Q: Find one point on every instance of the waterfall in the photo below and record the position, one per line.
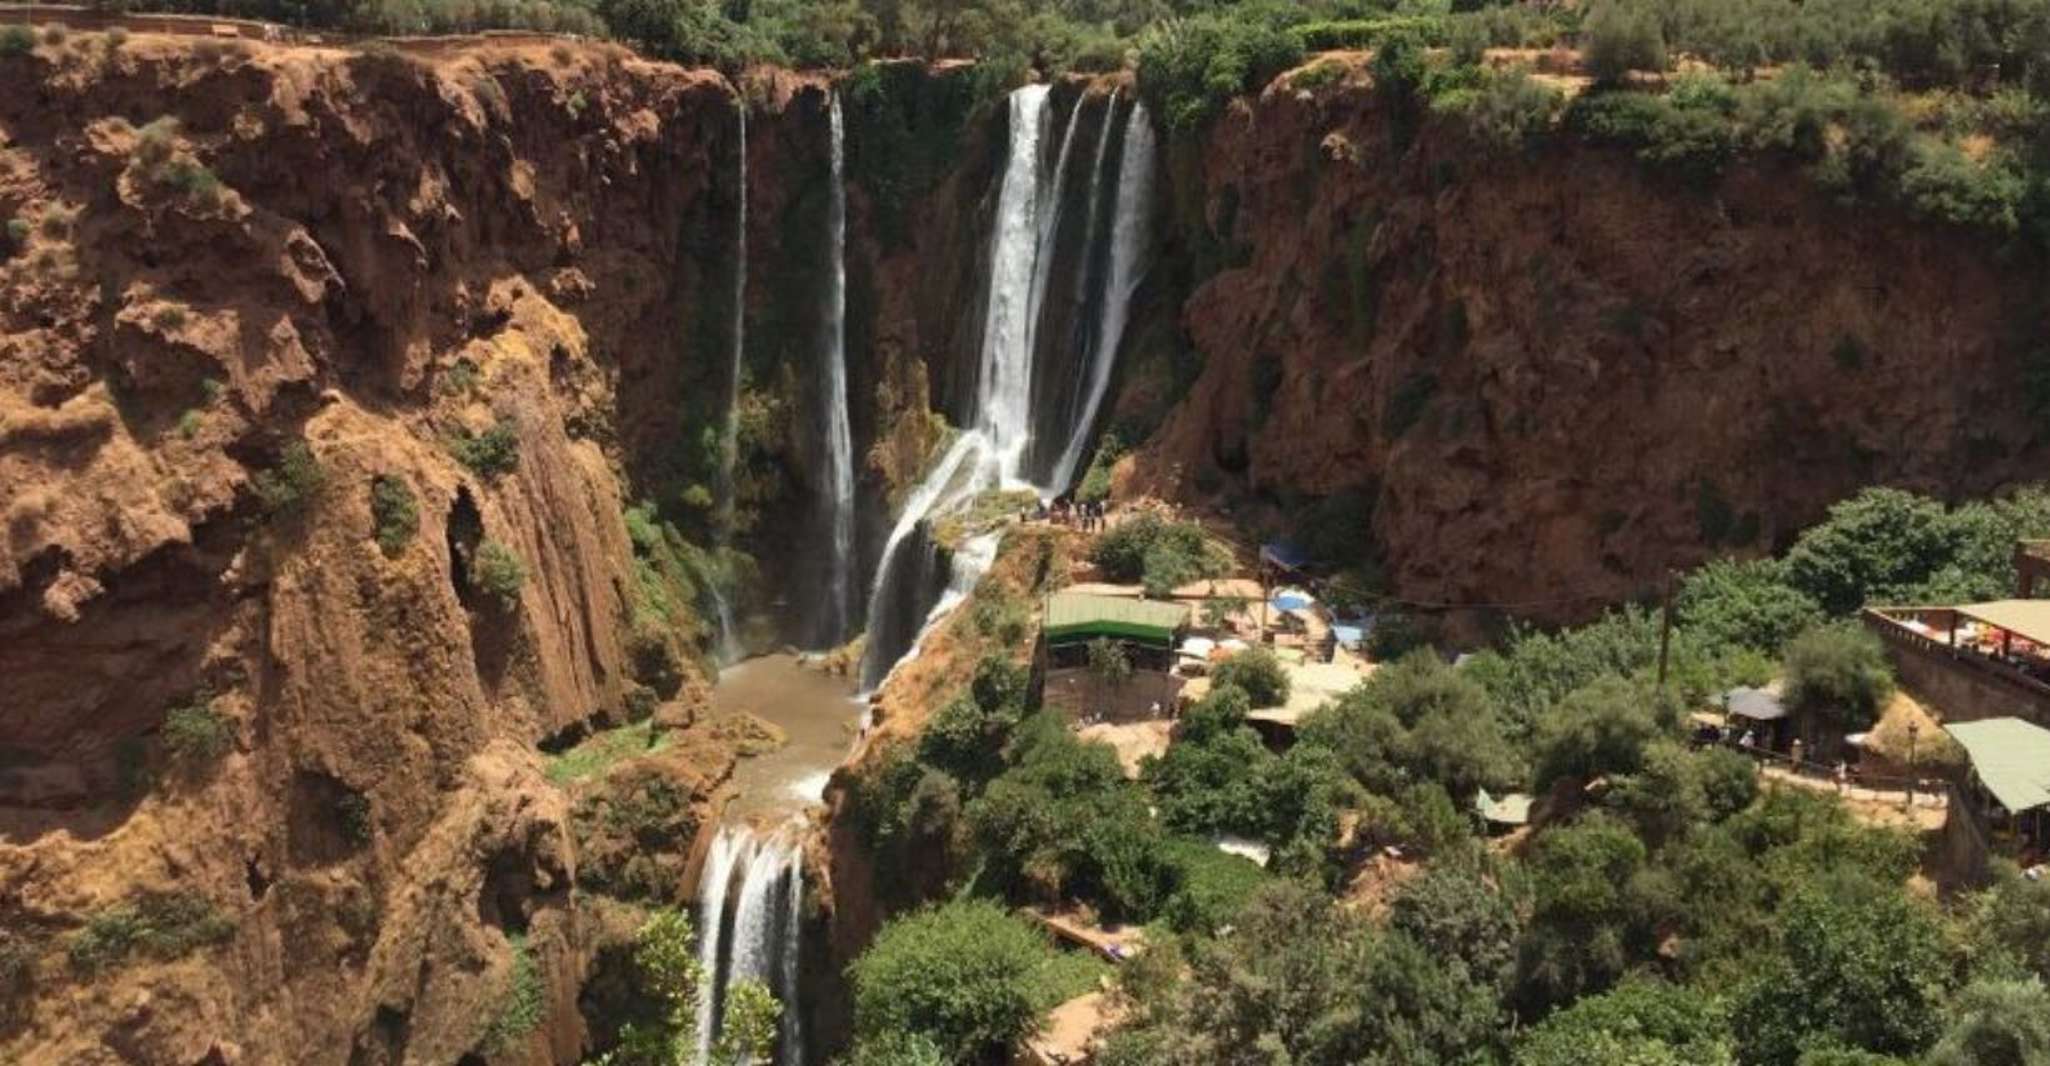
(729, 434)
(899, 588)
(751, 916)
(725, 854)
(1050, 205)
(1130, 245)
(839, 439)
(1005, 392)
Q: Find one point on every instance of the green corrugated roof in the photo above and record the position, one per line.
(2011, 757)
(1078, 614)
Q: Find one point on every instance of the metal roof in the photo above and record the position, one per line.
(1071, 615)
(2024, 618)
(2011, 758)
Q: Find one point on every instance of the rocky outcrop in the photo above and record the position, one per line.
(1557, 374)
(298, 348)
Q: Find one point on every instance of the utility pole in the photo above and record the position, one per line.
(1665, 627)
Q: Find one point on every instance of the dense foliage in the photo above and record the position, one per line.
(1667, 909)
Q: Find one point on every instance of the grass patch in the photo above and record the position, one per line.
(1068, 974)
(600, 751)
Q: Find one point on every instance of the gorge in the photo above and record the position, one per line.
(398, 534)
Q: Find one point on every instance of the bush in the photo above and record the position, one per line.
(1839, 674)
(966, 975)
(196, 733)
(1159, 553)
(1729, 604)
(1258, 673)
(17, 40)
(1598, 730)
(191, 180)
(522, 1004)
(291, 488)
(1189, 68)
(1210, 886)
(1619, 37)
(395, 513)
(1508, 111)
(161, 925)
(500, 573)
(490, 453)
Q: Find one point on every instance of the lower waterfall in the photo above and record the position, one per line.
(750, 928)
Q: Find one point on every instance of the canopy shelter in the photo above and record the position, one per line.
(1284, 555)
(2028, 619)
(1757, 704)
(1079, 616)
(2011, 759)
(1510, 809)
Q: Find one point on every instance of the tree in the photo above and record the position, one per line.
(1256, 672)
(965, 975)
(747, 1025)
(1601, 729)
(1878, 545)
(1583, 926)
(1997, 1023)
(1730, 604)
(1619, 37)
(1838, 674)
(1459, 914)
(1860, 965)
(1109, 664)
(1640, 1022)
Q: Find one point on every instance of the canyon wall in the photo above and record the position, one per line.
(269, 790)
(1555, 374)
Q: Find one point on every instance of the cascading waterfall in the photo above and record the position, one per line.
(1130, 247)
(750, 915)
(1004, 396)
(729, 435)
(839, 437)
(993, 452)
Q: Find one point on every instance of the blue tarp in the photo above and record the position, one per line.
(1290, 602)
(1350, 636)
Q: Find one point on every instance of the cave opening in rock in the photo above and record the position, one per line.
(465, 531)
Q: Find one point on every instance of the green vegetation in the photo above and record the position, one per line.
(598, 752)
(160, 925)
(1095, 486)
(1257, 673)
(500, 573)
(291, 489)
(491, 453)
(966, 976)
(394, 512)
(522, 1003)
(16, 40)
(1672, 911)
(1159, 553)
(190, 423)
(196, 734)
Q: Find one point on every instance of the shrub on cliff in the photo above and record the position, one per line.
(1189, 68)
(292, 487)
(16, 40)
(500, 573)
(196, 733)
(1158, 552)
(395, 512)
(490, 453)
(161, 925)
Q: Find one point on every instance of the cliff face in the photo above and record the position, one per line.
(281, 783)
(1556, 375)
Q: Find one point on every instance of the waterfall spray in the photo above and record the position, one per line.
(1130, 246)
(839, 438)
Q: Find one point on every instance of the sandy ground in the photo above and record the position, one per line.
(1133, 741)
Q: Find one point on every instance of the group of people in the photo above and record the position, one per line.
(1086, 516)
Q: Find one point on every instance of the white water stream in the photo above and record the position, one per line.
(839, 438)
